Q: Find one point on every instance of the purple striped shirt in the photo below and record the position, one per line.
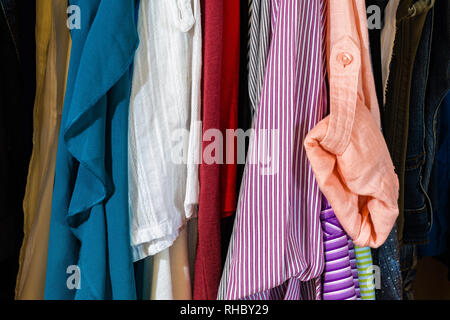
(276, 251)
(352, 254)
(338, 278)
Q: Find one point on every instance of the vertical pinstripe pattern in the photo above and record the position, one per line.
(277, 235)
(249, 26)
(259, 44)
(365, 273)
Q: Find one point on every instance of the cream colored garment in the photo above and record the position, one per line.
(52, 56)
(387, 41)
(164, 110)
(171, 275)
(166, 276)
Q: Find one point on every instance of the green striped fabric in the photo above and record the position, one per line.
(365, 273)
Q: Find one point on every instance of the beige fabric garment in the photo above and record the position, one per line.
(171, 271)
(387, 41)
(52, 58)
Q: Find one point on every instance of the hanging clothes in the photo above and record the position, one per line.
(375, 10)
(353, 265)
(245, 115)
(164, 137)
(426, 100)
(347, 151)
(387, 39)
(440, 191)
(365, 273)
(165, 99)
(387, 257)
(437, 107)
(418, 163)
(338, 277)
(229, 105)
(17, 90)
(52, 56)
(395, 114)
(171, 275)
(259, 45)
(280, 203)
(410, 20)
(143, 272)
(208, 266)
(89, 231)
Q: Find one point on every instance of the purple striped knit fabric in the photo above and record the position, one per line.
(276, 250)
(339, 275)
(351, 253)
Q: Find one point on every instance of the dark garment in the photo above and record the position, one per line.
(428, 92)
(411, 16)
(417, 203)
(439, 191)
(244, 117)
(375, 44)
(395, 113)
(438, 88)
(17, 89)
(408, 266)
(439, 78)
(387, 258)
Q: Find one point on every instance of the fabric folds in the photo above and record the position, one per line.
(279, 204)
(164, 124)
(346, 150)
(338, 278)
(89, 248)
(52, 56)
(208, 263)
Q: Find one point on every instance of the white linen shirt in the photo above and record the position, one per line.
(164, 111)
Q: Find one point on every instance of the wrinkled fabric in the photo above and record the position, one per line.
(417, 204)
(338, 277)
(410, 20)
(89, 230)
(387, 42)
(437, 136)
(259, 45)
(280, 203)
(208, 263)
(164, 124)
(352, 255)
(347, 151)
(52, 57)
(229, 105)
(439, 236)
(375, 10)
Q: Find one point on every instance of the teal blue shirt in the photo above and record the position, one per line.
(89, 224)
